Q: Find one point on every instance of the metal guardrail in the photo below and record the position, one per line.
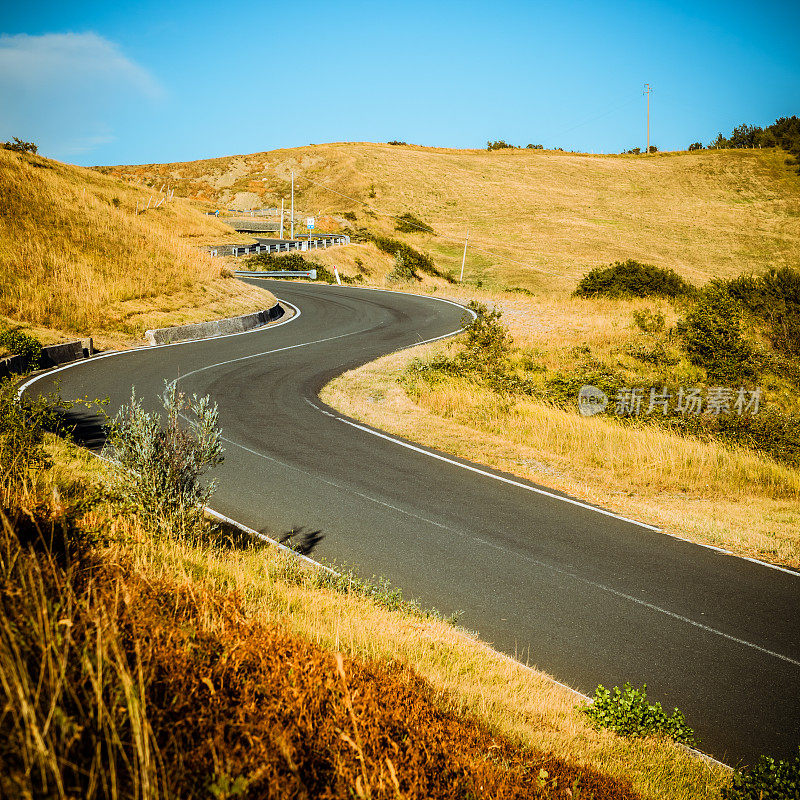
(277, 273)
(279, 246)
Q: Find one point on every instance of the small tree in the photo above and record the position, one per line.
(487, 343)
(18, 146)
(720, 143)
(713, 338)
(159, 466)
(695, 146)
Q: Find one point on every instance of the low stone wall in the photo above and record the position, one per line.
(205, 330)
(52, 356)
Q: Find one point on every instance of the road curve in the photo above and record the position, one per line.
(586, 595)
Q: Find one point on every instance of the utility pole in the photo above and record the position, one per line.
(292, 222)
(464, 257)
(281, 218)
(647, 90)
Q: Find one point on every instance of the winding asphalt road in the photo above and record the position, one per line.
(586, 595)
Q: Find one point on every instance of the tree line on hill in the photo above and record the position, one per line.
(783, 133)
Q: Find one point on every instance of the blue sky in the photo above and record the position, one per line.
(106, 83)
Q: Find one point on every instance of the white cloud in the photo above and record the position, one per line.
(61, 89)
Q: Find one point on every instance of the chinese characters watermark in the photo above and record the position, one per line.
(640, 400)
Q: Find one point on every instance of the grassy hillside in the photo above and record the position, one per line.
(531, 213)
(77, 258)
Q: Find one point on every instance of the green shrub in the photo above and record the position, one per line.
(774, 298)
(402, 270)
(420, 262)
(713, 339)
(18, 146)
(772, 432)
(499, 145)
(396, 142)
(349, 215)
(518, 290)
(487, 343)
(767, 780)
(695, 146)
(632, 279)
(159, 466)
(22, 344)
(648, 321)
(21, 438)
(628, 713)
(408, 223)
(484, 355)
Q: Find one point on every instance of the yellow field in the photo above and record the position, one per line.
(536, 218)
(77, 258)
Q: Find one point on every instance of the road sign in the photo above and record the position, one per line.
(310, 223)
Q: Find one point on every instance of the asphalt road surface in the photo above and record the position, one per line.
(583, 594)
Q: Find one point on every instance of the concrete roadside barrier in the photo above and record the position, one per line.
(221, 327)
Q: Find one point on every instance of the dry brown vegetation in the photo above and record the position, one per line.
(147, 667)
(77, 258)
(533, 213)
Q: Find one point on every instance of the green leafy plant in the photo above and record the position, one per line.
(22, 344)
(499, 144)
(769, 779)
(713, 338)
(18, 146)
(627, 712)
(160, 463)
(420, 262)
(632, 279)
(402, 270)
(774, 298)
(648, 321)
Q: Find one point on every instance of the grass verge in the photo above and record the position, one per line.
(212, 667)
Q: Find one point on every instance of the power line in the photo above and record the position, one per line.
(599, 116)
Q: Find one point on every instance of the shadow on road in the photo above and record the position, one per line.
(301, 540)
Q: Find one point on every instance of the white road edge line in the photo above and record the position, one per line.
(460, 633)
(116, 353)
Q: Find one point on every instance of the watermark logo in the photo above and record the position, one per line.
(640, 400)
(591, 401)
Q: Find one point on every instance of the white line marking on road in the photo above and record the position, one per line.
(117, 353)
(541, 564)
(487, 474)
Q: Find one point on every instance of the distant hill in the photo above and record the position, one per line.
(529, 212)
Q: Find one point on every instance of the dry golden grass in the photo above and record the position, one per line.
(533, 212)
(520, 702)
(75, 257)
(734, 499)
(515, 700)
